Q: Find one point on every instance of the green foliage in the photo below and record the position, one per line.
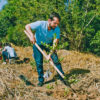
(49, 86)
(18, 13)
(46, 61)
(61, 59)
(79, 25)
(66, 91)
(95, 44)
(59, 46)
(33, 64)
(73, 79)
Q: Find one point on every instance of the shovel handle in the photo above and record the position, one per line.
(45, 55)
(51, 62)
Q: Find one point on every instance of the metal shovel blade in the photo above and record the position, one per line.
(47, 74)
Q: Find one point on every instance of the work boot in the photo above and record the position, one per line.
(40, 84)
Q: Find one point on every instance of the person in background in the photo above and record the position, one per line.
(0, 50)
(8, 53)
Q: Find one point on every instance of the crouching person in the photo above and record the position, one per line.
(8, 54)
(0, 51)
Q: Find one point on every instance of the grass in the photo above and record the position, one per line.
(81, 70)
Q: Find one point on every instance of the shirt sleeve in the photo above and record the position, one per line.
(35, 25)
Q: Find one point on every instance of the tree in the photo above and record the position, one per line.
(79, 23)
(78, 27)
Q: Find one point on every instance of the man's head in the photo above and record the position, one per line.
(0, 44)
(54, 20)
(7, 44)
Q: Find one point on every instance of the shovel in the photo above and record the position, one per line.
(45, 55)
(47, 74)
(51, 62)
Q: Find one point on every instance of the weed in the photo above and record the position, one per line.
(66, 91)
(33, 64)
(49, 86)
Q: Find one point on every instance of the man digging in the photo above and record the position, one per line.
(44, 33)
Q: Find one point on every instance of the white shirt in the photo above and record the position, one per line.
(10, 50)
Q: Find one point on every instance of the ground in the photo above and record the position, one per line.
(82, 71)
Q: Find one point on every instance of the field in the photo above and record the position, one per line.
(82, 72)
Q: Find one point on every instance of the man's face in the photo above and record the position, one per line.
(54, 23)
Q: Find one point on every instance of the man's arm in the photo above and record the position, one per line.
(29, 31)
(55, 42)
(4, 49)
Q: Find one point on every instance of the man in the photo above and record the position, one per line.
(44, 33)
(0, 50)
(8, 53)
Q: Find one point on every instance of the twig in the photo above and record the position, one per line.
(89, 22)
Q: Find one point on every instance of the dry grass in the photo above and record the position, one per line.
(82, 67)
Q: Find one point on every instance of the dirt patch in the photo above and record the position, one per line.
(82, 72)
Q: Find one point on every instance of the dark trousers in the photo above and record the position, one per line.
(5, 55)
(39, 62)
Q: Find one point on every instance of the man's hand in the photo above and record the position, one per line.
(33, 40)
(55, 42)
(49, 57)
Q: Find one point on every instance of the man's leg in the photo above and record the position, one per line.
(39, 63)
(4, 55)
(57, 63)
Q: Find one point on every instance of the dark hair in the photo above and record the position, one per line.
(54, 14)
(7, 44)
(0, 43)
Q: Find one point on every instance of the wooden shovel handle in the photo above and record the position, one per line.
(45, 55)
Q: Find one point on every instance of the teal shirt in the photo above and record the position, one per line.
(42, 34)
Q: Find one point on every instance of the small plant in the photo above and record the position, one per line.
(56, 83)
(66, 91)
(73, 79)
(55, 45)
(61, 59)
(45, 61)
(49, 86)
(32, 63)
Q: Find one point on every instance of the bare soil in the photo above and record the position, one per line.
(82, 71)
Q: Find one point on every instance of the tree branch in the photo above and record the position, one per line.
(89, 22)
